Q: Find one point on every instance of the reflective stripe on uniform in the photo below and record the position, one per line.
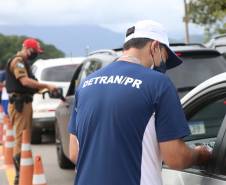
(9, 133)
(26, 162)
(39, 179)
(9, 144)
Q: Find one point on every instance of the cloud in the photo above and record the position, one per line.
(114, 14)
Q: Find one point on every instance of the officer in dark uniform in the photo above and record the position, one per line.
(21, 85)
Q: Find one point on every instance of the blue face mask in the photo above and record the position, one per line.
(161, 68)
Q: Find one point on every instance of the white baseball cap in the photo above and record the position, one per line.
(155, 31)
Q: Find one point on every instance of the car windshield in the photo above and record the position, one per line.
(62, 73)
(195, 70)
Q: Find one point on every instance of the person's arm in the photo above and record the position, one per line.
(73, 148)
(171, 127)
(177, 155)
(28, 82)
(17, 67)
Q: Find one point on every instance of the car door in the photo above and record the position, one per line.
(205, 112)
(64, 111)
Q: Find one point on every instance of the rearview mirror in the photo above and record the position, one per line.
(57, 94)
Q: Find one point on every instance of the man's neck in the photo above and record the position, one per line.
(137, 55)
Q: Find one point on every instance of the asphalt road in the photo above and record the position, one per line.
(54, 174)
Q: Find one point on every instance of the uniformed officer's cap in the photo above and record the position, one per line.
(32, 43)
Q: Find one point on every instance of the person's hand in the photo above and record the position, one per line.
(51, 88)
(203, 155)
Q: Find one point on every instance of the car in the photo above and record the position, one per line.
(52, 71)
(199, 64)
(63, 111)
(219, 43)
(101, 58)
(205, 109)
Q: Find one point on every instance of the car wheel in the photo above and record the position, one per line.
(63, 161)
(36, 136)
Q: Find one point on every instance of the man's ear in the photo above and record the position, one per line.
(29, 51)
(154, 46)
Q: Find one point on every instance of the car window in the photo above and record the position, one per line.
(71, 89)
(206, 122)
(88, 68)
(195, 70)
(64, 73)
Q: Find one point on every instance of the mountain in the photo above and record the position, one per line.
(72, 40)
(79, 39)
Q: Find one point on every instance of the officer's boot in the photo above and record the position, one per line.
(16, 160)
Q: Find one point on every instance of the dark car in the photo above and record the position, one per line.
(199, 64)
(197, 60)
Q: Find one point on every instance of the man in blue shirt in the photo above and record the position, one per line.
(128, 118)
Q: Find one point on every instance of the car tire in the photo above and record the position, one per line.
(36, 136)
(63, 161)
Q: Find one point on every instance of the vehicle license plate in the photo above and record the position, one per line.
(197, 128)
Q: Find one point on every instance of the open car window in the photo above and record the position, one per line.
(71, 89)
(89, 67)
(81, 73)
(205, 123)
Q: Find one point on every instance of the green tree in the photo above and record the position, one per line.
(9, 45)
(208, 13)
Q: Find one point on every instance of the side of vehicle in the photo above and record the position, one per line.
(205, 110)
(52, 71)
(64, 110)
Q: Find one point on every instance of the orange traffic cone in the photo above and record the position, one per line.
(38, 176)
(9, 144)
(1, 125)
(26, 161)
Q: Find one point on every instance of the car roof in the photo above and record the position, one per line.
(45, 63)
(106, 56)
(176, 47)
(211, 81)
(220, 36)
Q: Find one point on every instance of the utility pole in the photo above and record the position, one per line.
(186, 21)
(87, 48)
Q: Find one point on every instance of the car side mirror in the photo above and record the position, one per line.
(57, 94)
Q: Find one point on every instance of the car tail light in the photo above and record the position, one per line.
(51, 110)
(225, 102)
(178, 54)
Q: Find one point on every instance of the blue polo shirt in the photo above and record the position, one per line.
(121, 113)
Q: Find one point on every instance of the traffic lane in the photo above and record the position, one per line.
(54, 174)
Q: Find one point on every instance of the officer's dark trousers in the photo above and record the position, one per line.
(20, 121)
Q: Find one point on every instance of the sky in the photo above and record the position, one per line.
(116, 15)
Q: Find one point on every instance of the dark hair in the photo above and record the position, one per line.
(137, 43)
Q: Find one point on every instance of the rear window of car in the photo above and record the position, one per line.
(194, 70)
(62, 73)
